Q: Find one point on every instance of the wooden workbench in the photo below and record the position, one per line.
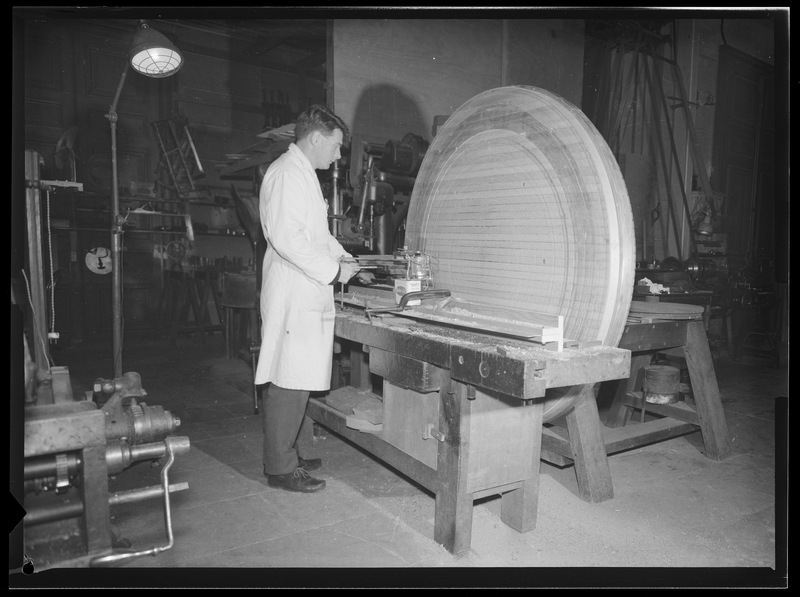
(464, 412)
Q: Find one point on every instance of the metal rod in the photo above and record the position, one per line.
(365, 191)
(52, 513)
(74, 509)
(147, 451)
(336, 204)
(145, 493)
(41, 348)
(116, 236)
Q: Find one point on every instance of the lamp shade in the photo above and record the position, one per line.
(705, 228)
(153, 55)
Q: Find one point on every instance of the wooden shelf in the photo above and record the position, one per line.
(140, 231)
(127, 231)
(171, 202)
(154, 213)
(282, 133)
(131, 212)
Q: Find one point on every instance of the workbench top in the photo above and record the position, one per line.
(513, 367)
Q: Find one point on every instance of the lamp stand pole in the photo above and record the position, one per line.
(116, 236)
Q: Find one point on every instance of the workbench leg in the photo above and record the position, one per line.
(589, 448)
(180, 312)
(619, 414)
(254, 363)
(229, 333)
(216, 298)
(706, 392)
(195, 308)
(729, 335)
(203, 314)
(519, 507)
(359, 368)
(453, 517)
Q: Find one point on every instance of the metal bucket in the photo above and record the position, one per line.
(662, 384)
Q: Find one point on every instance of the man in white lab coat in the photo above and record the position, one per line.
(302, 263)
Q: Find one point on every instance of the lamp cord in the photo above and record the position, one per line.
(36, 326)
(52, 276)
(121, 296)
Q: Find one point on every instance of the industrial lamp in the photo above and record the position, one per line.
(153, 55)
(705, 228)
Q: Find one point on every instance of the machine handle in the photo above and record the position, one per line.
(421, 295)
(411, 296)
(172, 444)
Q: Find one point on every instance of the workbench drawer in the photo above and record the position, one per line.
(404, 371)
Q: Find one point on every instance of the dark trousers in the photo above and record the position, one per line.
(282, 416)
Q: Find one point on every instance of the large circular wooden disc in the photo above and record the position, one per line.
(521, 204)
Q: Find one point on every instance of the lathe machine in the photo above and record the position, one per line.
(71, 445)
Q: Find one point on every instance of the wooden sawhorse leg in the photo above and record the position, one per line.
(706, 392)
(619, 413)
(588, 448)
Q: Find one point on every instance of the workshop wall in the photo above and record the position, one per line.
(393, 76)
(546, 53)
(229, 103)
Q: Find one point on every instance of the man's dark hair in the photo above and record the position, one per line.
(318, 118)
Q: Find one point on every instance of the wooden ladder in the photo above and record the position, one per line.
(179, 154)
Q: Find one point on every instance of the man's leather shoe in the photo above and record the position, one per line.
(297, 480)
(310, 464)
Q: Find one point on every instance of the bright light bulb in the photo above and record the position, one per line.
(155, 62)
(705, 227)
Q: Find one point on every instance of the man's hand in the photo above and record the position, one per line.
(366, 278)
(347, 269)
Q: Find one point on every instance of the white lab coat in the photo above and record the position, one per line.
(297, 307)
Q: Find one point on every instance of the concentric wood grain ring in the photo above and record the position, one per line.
(521, 204)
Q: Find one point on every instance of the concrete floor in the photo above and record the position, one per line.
(677, 518)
